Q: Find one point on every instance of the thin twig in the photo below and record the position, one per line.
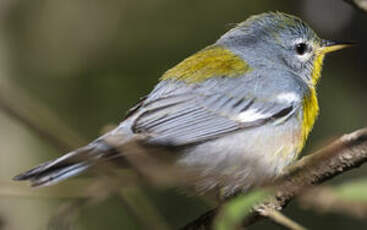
(38, 118)
(75, 189)
(358, 4)
(344, 154)
(325, 199)
(282, 220)
(143, 209)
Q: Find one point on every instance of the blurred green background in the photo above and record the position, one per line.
(89, 61)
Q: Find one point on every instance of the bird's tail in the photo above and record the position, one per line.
(68, 165)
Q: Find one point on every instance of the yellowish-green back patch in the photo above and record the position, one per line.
(214, 61)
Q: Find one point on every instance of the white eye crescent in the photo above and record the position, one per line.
(302, 50)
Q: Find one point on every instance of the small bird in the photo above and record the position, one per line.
(238, 112)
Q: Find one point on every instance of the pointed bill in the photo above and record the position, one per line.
(328, 46)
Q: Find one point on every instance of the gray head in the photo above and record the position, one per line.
(280, 41)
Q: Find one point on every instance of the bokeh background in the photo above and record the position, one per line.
(87, 62)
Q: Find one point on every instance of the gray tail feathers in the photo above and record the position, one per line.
(68, 165)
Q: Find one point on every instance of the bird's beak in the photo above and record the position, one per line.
(328, 46)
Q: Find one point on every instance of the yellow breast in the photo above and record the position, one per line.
(310, 103)
(213, 61)
(310, 113)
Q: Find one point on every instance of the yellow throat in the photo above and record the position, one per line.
(310, 103)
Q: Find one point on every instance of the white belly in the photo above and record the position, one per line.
(245, 159)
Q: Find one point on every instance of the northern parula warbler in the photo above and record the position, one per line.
(238, 111)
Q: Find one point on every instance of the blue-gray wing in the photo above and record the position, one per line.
(179, 114)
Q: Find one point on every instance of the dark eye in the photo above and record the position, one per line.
(301, 48)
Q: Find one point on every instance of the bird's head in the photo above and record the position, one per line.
(281, 41)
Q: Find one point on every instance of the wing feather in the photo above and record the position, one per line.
(192, 115)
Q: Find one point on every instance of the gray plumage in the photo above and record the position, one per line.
(237, 132)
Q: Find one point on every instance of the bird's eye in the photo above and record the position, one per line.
(301, 48)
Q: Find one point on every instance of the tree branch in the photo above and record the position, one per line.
(344, 154)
